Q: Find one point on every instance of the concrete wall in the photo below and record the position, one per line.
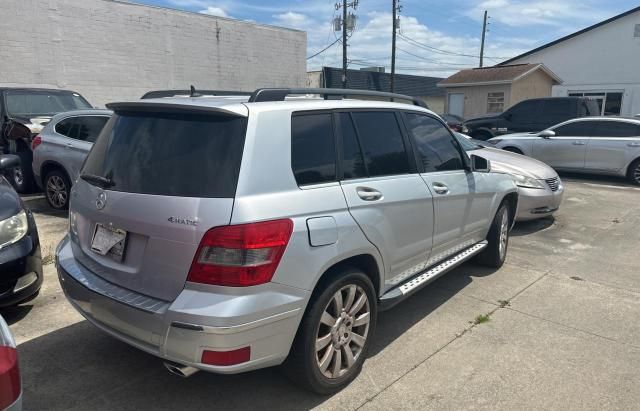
(603, 59)
(536, 84)
(110, 50)
(475, 98)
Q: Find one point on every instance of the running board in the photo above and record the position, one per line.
(404, 290)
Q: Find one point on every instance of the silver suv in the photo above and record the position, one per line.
(228, 234)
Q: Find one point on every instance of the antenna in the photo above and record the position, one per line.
(193, 92)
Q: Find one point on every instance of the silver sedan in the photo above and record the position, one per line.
(539, 186)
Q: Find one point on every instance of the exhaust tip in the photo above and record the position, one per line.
(183, 371)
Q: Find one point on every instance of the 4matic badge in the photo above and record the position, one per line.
(184, 221)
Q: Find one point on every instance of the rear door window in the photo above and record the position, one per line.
(313, 150)
(382, 143)
(437, 149)
(616, 129)
(352, 162)
(170, 154)
(68, 127)
(89, 127)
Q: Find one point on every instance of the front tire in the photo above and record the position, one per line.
(495, 253)
(22, 176)
(634, 172)
(335, 334)
(57, 189)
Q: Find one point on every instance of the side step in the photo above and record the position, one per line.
(404, 290)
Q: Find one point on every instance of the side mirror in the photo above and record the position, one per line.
(480, 164)
(546, 133)
(9, 161)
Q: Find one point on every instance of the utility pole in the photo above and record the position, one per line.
(393, 45)
(484, 31)
(344, 43)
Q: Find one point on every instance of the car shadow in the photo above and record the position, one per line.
(596, 179)
(532, 226)
(38, 204)
(16, 313)
(80, 365)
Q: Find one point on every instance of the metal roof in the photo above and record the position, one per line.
(414, 86)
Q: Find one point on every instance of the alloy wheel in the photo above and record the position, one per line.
(57, 191)
(342, 331)
(636, 174)
(504, 235)
(18, 177)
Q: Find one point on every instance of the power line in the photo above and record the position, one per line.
(323, 50)
(442, 63)
(440, 51)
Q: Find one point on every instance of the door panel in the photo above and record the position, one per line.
(396, 215)
(612, 145)
(456, 104)
(568, 148)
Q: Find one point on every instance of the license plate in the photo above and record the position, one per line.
(109, 241)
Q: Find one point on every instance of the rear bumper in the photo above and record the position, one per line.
(264, 318)
(536, 203)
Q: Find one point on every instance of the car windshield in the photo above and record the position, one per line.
(466, 143)
(26, 103)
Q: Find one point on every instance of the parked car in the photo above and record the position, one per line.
(454, 122)
(20, 261)
(531, 116)
(540, 189)
(23, 114)
(10, 384)
(60, 149)
(223, 234)
(597, 145)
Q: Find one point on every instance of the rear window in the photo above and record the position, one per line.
(27, 103)
(170, 154)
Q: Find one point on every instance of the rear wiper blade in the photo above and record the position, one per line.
(103, 182)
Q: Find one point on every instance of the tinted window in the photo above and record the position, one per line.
(382, 143)
(576, 129)
(616, 129)
(435, 145)
(557, 107)
(523, 110)
(171, 154)
(313, 152)
(31, 102)
(89, 127)
(352, 163)
(67, 127)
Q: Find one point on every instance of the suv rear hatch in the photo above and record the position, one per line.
(158, 177)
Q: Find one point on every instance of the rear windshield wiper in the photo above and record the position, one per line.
(103, 182)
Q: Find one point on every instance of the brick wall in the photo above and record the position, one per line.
(111, 50)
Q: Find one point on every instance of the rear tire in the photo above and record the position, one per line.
(57, 189)
(634, 172)
(342, 327)
(513, 150)
(495, 253)
(22, 176)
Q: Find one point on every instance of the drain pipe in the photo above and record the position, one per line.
(180, 370)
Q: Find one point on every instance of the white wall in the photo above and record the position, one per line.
(109, 50)
(606, 58)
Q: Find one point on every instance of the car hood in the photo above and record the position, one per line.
(512, 163)
(35, 124)
(483, 117)
(10, 203)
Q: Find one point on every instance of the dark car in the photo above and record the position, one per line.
(454, 122)
(20, 261)
(531, 116)
(23, 113)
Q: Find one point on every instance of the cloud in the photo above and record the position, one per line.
(293, 20)
(214, 11)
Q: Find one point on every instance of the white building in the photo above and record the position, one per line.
(601, 61)
(114, 50)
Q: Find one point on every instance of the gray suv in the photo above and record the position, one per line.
(228, 234)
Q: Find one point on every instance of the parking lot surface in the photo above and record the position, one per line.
(555, 328)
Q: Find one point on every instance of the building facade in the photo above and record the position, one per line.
(114, 50)
(601, 61)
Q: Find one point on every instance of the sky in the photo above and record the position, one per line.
(436, 37)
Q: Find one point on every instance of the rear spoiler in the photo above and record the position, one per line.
(154, 107)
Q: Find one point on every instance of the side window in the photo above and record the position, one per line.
(435, 144)
(575, 129)
(313, 152)
(352, 162)
(67, 127)
(90, 127)
(616, 129)
(523, 111)
(382, 143)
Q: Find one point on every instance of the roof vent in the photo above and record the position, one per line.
(636, 32)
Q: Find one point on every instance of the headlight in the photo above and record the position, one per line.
(526, 182)
(494, 141)
(13, 229)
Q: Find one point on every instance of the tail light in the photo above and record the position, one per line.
(37, 140)
(240, 255)
(226, 357)
(9, 372)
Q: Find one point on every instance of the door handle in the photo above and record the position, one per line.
(633, 144)
(368, 194)
(69, 145)
(440, 188)
(579, 143)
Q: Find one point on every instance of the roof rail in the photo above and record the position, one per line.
(198, 93)
(279, 94)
